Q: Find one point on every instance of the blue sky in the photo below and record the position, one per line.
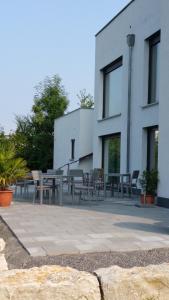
(41, 38)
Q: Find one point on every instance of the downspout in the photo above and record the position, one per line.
(130, 43)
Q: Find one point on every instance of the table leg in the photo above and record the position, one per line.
(53, 189)
(61, 193)
(73, 192)
(24, 188)
(121, 186)
(41, 191)
(104, 186)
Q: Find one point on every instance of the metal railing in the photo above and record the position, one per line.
(68, 165)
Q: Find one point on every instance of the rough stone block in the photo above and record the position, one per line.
(149, 283)
(2, 245)
(48, 282)
(3, 263)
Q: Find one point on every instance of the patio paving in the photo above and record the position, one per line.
(116, 225)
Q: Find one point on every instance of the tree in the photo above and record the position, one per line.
(35, 133)
(22, 138)
(50, 102)
(86, 100)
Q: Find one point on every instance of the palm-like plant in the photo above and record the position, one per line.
(11, 168)
(149, 181)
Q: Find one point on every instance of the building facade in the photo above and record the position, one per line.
(73, 140)
(131, 117)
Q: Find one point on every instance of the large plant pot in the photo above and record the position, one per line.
(6, 198)
(148, 199)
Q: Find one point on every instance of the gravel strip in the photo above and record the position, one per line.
(17, 257)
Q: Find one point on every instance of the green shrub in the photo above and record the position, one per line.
(11, 168)
(149, 181)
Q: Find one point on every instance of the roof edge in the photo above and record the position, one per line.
(75, 110)
(119, 13)
(85, 156)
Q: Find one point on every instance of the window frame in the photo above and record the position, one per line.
(153, 41)
(108, 69)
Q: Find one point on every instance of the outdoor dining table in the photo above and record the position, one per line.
(121, 177)
(56, 179)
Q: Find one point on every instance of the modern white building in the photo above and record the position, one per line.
(73, 140)
(131, 116)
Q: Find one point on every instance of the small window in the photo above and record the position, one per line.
(154, 64)
(72, 149)
(112, 98)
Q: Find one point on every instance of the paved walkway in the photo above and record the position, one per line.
(107, 226)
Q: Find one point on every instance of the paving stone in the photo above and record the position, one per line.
(108, 226)
(166, 242)
(45, 238)
(88, 248)
(20, 231)
(150, 245)
(28, 239)
(36, 251)
(60, 249)
(150, 238)
(101, 235)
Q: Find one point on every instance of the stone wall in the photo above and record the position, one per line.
(63, 283)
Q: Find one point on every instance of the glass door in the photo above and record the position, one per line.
(111, 151)
(152, 148)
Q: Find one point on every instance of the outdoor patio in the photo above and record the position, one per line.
(111, 225)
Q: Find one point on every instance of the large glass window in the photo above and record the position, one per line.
(112, 89)
(111, 151)
(152, 148)
(154, 62)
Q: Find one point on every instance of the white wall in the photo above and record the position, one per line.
(86, 164)
(65, 129)
(76, 125)
(141, 18)
(86, 132)
(164, 104)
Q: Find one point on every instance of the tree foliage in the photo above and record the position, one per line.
(50, 102)
(35, 133)
(86, 100)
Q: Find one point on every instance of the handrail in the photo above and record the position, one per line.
(68, 164)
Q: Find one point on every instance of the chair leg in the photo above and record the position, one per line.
(34, 196)
(73, 194)
(131, 192)
(50, 196)
(16, 191)
(96, 192)
(56, 195)
(118, 190)
(80, 196)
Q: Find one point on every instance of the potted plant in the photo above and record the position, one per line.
(11, 169)
(148, 182)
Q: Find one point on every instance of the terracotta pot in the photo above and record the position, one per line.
(148, 199)
(6, 198)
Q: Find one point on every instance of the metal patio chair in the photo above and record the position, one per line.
(131, 185)
(36, 174)
(78, 184)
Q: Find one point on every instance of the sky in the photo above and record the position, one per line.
(41, 38)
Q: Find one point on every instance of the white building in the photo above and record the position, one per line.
(131, 117)
(73, 140)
